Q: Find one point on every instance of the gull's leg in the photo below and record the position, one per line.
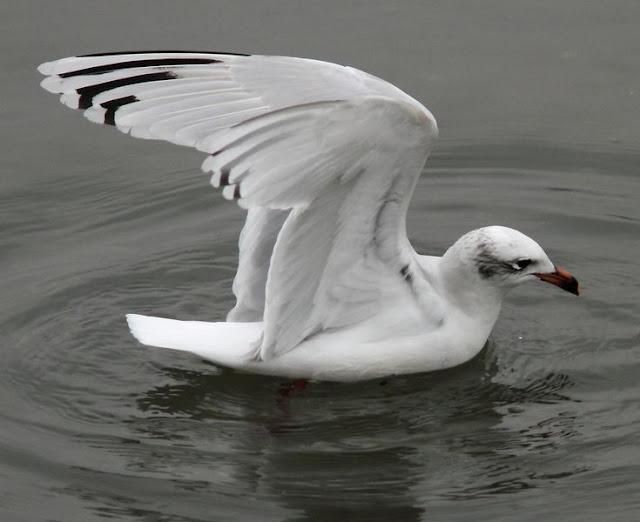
(287, 389)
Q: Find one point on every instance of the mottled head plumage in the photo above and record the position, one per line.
(501, 255)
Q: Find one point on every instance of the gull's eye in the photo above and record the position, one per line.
(521, 264)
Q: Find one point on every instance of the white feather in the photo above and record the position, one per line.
(232, 342)
(95, 114)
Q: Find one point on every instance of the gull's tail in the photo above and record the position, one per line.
(229, 344)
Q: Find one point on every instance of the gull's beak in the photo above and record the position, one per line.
(560, 277)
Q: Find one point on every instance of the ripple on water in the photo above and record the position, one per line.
(126, 427)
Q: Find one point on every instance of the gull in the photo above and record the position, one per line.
(325, 159)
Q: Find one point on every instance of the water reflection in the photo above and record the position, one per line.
(367, 451)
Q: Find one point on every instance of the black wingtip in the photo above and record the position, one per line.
(91, 91)
(113, 105)
(224, 176)
(132, 64)
(119, 53)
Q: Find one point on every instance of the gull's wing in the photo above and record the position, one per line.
(256, 243)
(183, 97)
(334, 149)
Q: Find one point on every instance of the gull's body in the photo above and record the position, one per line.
(325, 158)
(399, 337)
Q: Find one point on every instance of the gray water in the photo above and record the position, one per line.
(539, 110)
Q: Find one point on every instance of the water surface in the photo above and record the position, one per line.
(539, 116)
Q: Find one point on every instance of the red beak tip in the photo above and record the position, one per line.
(562, 279)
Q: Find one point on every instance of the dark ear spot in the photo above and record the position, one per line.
(487, 270)
(487, 265)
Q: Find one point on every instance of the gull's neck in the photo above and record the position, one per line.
(461, 287)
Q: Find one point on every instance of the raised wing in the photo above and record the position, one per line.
(256, 243)
(340, 148)
(347, 170)
(183, 97)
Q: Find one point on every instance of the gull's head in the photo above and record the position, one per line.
(503, 258)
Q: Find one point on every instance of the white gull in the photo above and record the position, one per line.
(325, 159)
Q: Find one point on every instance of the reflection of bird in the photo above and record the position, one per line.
(325, 158)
